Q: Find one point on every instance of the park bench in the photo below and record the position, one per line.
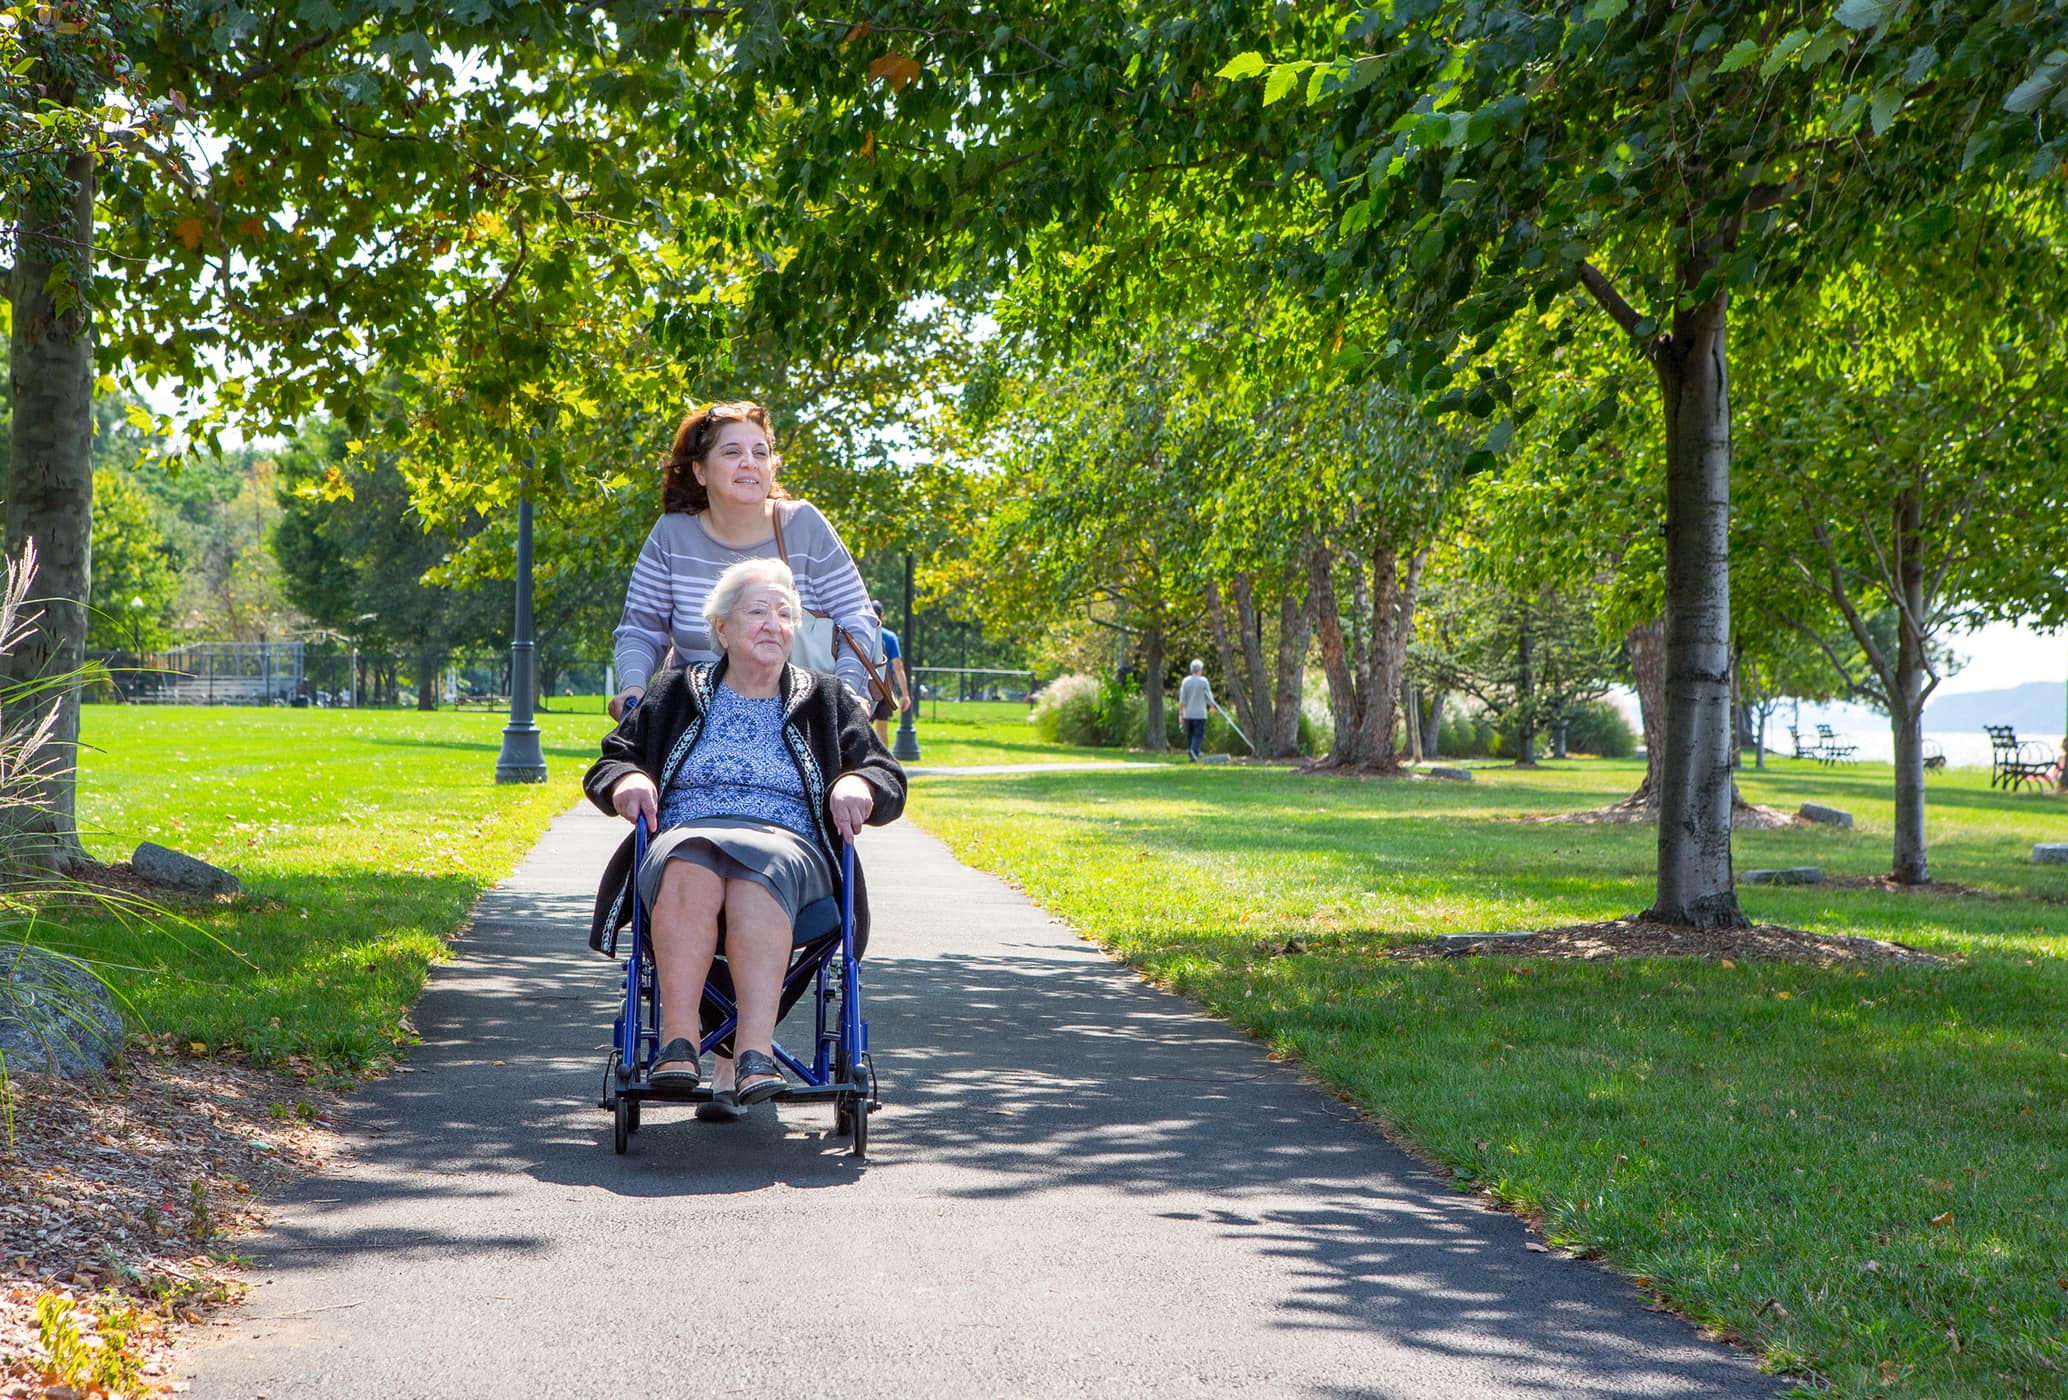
(1830, 750)
(2013, 762)
(1803, 750)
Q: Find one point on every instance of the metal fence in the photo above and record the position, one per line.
(249, 673)
(299, 674)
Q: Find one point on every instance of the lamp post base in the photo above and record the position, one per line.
(521, 761)
(905, 749)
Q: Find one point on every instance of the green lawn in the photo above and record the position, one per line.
(362, 838)
(1882, 1153)
(977, 732)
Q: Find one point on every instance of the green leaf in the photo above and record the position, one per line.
(1314, 81)
(1922, 60)
(1882, 110)
(2031, 95)
(1862, 14)
(1247, 64)
(1605, 10)
(1356, 218)
(1281, 81)
(1739, 55)
(1793, 40)
(1430, 248)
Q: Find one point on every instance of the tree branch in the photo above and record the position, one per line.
(1619, 310)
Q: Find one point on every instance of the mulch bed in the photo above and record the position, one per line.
(132, 1190)
(120, 880)
(1745, 816)
(1638, 938)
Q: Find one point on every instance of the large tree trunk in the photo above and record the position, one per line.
(1327, 622)
(429, 663)
(1392, 621)
(1155, 741)
(1525, 691)
(1907, 695)
(1381, 676)
(50, 487)
(1647, 644)
(1695, 788)
(1293, 636)
(1432, 724)
(1256, 695)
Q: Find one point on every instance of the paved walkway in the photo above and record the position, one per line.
(1078, 1186)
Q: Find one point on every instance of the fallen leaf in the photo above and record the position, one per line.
(1725, 962)
(1945, 1219)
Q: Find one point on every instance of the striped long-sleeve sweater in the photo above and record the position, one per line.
(664, 603)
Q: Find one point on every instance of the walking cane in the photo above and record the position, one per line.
(1238, 730)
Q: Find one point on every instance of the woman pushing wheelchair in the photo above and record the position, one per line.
(751, 772)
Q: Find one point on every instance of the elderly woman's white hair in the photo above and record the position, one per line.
(725, 594)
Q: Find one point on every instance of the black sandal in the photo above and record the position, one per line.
(767, 1074)
(683, 1050)
(723, 1107)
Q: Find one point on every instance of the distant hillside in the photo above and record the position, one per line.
(2033, 708)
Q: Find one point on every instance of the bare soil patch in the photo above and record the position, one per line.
(1639, 938)
(1748, 816)
(121, 881)
(124, 1197)
(1884, 883)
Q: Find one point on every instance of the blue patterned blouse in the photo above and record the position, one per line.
(739, 767)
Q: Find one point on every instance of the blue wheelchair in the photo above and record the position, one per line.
(823, 957)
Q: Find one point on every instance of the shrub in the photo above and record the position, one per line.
(1067, 710)
(1598, 727)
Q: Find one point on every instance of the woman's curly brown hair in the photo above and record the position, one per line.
(680, 489)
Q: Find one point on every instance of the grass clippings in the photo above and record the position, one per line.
(121, 1203)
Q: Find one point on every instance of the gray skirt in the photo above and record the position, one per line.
(740, 848)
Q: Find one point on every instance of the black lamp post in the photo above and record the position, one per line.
(521, 760)
(906, 748)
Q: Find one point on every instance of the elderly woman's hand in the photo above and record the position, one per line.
(635, 796)
(851, 801)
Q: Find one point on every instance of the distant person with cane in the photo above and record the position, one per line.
(1195, 699)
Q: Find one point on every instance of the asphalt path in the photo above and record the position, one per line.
(1078, 1185)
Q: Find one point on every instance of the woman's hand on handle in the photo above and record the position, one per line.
(624, 697)
(850, 802)
(634, 797)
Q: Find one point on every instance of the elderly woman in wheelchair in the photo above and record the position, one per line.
(751, 772)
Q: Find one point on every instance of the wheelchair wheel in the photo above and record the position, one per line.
(626, 1115)
(858, 1119)
(635, 1115)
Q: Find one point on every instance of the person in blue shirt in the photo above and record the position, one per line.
(894, 673)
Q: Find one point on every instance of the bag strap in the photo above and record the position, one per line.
(876, 677)
(775, 516)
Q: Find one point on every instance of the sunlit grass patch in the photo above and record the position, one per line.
(1863, 1169)
(362, 838)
